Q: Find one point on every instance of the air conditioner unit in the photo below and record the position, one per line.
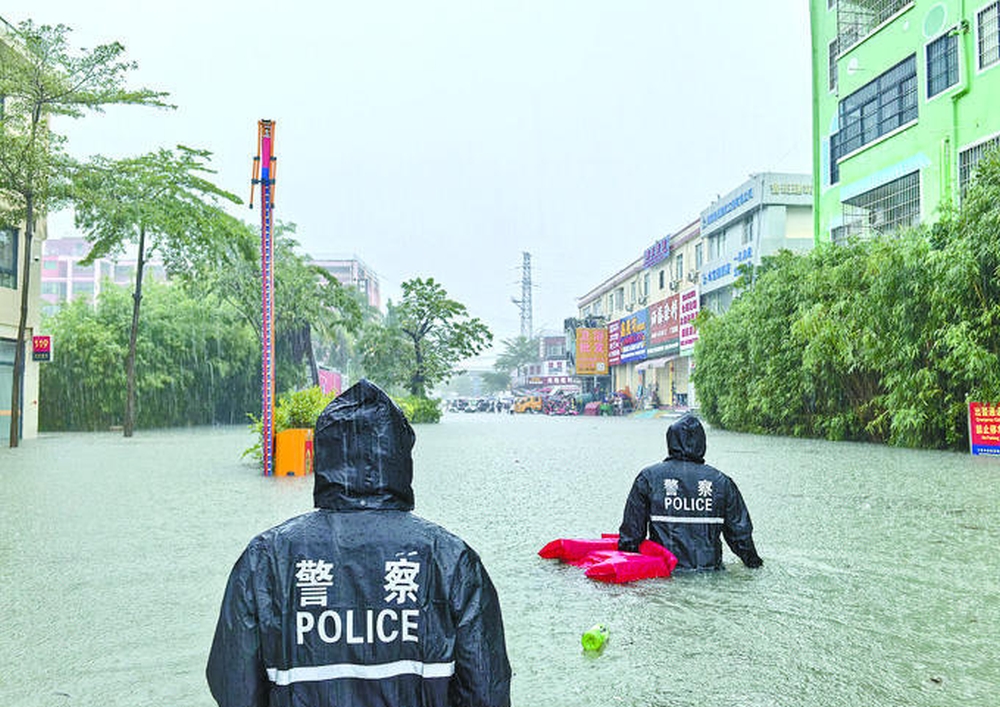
(643, 299)
(629, 307)
(693, 276)
(675, 284)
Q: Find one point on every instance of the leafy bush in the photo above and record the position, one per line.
(295, 410)
(419, 410)
(882, 340)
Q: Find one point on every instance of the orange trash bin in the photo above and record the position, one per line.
(293, 452)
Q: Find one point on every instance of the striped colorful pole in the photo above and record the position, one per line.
(264, 174)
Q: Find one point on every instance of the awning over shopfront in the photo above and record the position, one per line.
(652, 363)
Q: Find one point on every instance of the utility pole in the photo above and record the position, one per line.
(525, 302)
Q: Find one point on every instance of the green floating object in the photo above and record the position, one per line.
(593, 638)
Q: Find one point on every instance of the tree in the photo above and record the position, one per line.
(307, 298)
(161, 203)
(39, 79)
(423, 339)
(518, 352)
(196, 362)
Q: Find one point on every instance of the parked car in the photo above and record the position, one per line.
(528, 403)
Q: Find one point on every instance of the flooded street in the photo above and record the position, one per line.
(881, 583)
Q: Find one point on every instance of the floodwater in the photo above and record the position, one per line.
(881, 583)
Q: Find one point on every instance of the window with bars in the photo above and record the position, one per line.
(885, 208)
(8, 257)
(877, 108)
(942, 64)
(856, 19)
(970, 157)
(988, 25)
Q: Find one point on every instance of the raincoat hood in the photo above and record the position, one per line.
(686, 440)
(362, 447)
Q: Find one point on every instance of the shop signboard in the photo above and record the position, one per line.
(632, 337)
(614, 342)
(664, 327)
(689, 308)
(984, 428)
(592, 351)
(41, 348)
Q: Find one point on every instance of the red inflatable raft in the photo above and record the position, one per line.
(605, 563)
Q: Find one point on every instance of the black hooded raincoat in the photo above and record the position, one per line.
(360, 602)
(685, 505)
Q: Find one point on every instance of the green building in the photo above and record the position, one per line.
(906, 98)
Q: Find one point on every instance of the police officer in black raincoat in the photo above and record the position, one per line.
(360, 602)
(685, 505)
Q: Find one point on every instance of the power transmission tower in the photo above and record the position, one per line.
(524, 304)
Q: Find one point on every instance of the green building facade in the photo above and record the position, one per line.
(906, 98)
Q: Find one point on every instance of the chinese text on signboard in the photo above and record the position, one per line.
(592, 352)
(984, 428)
(41, 348)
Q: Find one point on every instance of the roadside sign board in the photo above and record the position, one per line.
(41, 348)
(984, 428)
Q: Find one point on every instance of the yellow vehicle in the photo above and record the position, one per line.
(528, 403)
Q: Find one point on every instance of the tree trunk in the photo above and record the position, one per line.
(417, 379)
(311, 356)
(128, 426)
(22, 324)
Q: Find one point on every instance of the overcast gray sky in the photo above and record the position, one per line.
(444, 138)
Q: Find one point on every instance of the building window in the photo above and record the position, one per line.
(856, 19)
(876, 109)
(747, 232)
(832, 78)
(679, 267)
(661, 278)
(699, 256)
(942, 64)
(620, 298)
(969, 158)
(988, 24)
(885, 208)
(8, 257)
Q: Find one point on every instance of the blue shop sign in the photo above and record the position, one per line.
(745, 255)
(731, 205)
(632, 337)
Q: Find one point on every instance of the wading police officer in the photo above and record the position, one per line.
(360, 602)
(685, 505)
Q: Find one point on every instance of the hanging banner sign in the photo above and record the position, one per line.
(41, 348)
(984, 429)
(614, 343)
(688, 312)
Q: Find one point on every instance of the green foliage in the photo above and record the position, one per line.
(422, 339)
(310, 305)
(517, 352)
(419, 410)
(40, 77)
(882, 340)
(197, 363)
(298, 409)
